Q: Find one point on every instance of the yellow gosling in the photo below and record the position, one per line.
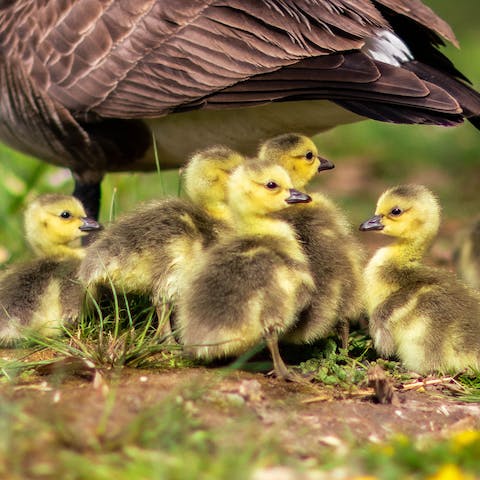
(254, 282)
(146, 251)
(335, 257)
(422, 314)
(41, 295)
(54, 225)
(205, 178)
(336, 261)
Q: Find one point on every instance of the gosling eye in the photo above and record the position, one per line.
(396, 211)
(271, 185)
(309, 155)
(65, 214)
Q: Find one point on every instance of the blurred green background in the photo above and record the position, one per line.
(369, 157)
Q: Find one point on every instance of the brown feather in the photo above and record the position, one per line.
(72, 71)
(422, 14)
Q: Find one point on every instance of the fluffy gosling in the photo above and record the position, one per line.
(425, 315)
(147, 250)
(41, 295)
(335, 257)
(297, 154)
(254, 282)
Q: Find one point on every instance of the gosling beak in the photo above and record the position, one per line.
(89, 224)
(325, 164)
(374, 223)
(298, 197)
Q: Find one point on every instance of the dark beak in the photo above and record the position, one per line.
(325, 164)
(374, 223)
(298, 197)
(89, 224)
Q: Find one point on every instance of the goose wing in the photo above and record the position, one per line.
(147, 58)
(79, 77)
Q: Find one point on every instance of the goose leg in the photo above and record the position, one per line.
(89, 194)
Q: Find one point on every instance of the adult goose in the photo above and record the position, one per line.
(85, 83)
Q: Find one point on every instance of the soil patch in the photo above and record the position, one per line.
(305, 416)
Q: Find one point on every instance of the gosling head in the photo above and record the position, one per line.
(297, 154)
(408, 212)
(206, 176)
(55, 223)
(258, 189)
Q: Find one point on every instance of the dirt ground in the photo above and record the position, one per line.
(312, 415)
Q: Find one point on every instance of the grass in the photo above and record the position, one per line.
(470, 381)
(333, 366)
(123, 333)
(165, 441)
(403, 457)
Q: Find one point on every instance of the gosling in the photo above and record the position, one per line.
(254, 282)
(147, 250)
(422, 314)
(40, 295)
(334, 255)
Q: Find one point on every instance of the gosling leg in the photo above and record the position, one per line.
(279, 368)
(343, 329)
(164, 312)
